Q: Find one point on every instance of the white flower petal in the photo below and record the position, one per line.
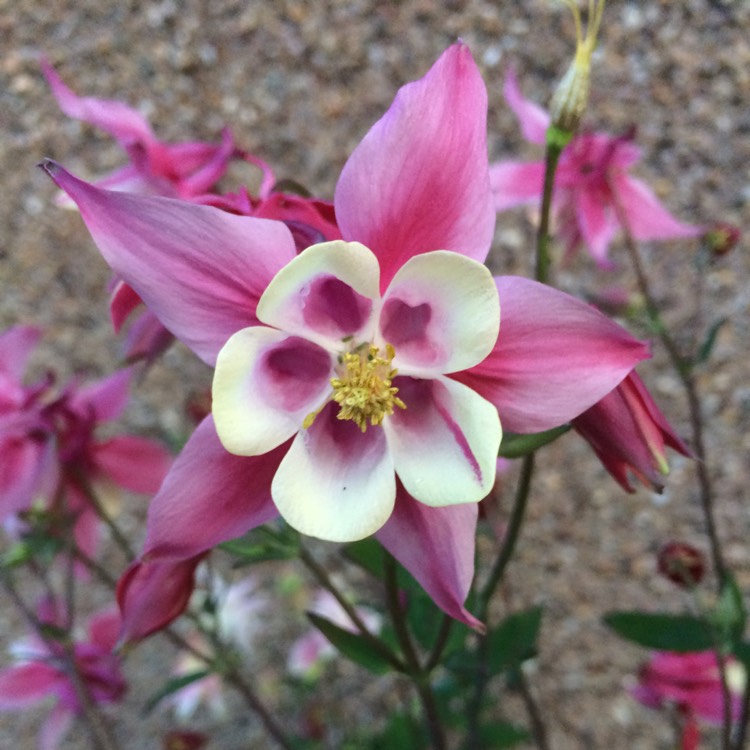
(327, 293)
(441, 313)
(336, 482)
(445, 443)
(266, 382)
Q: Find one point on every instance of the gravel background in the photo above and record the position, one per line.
(300, 83)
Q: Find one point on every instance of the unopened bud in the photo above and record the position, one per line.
(722, 238)
(682, 564)
(572, 93)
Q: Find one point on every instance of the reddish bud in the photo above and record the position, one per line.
(682, 564)
(184, 740)
(722, 238)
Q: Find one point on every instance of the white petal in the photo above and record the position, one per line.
(265, 384)
(327, 293)
(445, 443)
(336, 482)
(441, 313)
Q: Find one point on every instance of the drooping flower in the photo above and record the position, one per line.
(43, 670)
(594, 192)
(629, 433)
(302, 340)
(691, 682)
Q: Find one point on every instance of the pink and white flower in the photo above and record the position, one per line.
(291, 338)
(593, 190)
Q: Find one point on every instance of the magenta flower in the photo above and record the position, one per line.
(691, 682)
(359, 383)
(181, 170)
(592, 186)
(629, 433)
(43, 671)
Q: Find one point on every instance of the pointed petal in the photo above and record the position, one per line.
(445, 443)
(647, 218)
(533, 119)
(265, 384)
(54, 728)
(436, 545)
(555, 357)
(418, 180)
(326, 294)
(133, 463)
(209, 497)
(104, 627)
(28, 468)
(440, 313)
(146, 338)
(514, 183)
(597, 224)
(104, 399)
(123, 301)
(336, 482)
(25, 684)
(16, 346)
(152, 594)
(201, 270)
(122, 122)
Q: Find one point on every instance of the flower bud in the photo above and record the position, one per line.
(682, 564)
(722, 238)
(572, 93)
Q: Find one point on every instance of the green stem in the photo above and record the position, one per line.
(440, 643)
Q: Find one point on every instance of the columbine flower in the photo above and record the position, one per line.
(344, 324)
(43, 671)
(310, 650)
(593, 189)
(691, 682)
(629, 433)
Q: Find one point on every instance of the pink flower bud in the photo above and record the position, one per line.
(682, 564)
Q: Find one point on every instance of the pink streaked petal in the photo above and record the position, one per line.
(199, 269)
(122, 122)
(209, 497)
(87, 529)
(336, 483)
(597, 224)
(25, 684)
(445, 443)
(146, 338)
(326, 294)
(104, 628)
(533, 119)
(265, 384)
(436, 545)
(104, 399)
(133, 463)
(16, 346)
(210, 163)
(418, 180)
(152, 594)
(647, 218)
(54, 728)
(27, 469)
(515, 183)
(441, 314)
(122, 303)
(555, 357)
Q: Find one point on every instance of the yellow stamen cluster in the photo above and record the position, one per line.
(364, 390)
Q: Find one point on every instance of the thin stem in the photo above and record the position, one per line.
(441, 641)
(538, 730)
(321, 575)
(556, 141)
(419, 677)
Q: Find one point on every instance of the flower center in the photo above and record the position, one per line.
(364, 388)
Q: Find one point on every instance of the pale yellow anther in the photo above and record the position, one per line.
(364, 389)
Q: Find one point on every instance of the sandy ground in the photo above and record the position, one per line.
(300, 83)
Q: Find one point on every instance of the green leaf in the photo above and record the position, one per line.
(662, 632)
(367, 554)
(518, 446)
(708, 343)
(501, 734)
(741, 652)
(172, 686)
(401, 733)
(514, 640)
(353, 645)
(261, 545)
(729, 616)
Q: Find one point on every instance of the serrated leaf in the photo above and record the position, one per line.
(172, 686)
(352, 645)
(662, 632)
(709, 342)
(514, 640)
(518, 446)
